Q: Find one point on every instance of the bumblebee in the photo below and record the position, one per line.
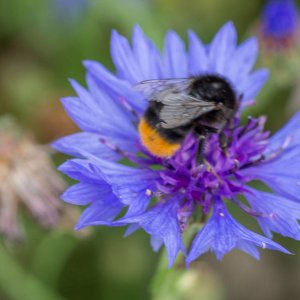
(203, 104)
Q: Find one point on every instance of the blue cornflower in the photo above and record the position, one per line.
(165, 195)
(279, 23)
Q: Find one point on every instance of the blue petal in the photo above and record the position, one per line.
(109, 106)
(222, 234)
(242, 60)
(146, 55)
(283, 184)
(252, 84)
(290, 131)
(131, 229)
(124, 59)
(83, 115)
(90, 116)
(82, 170)
(175, 58)
(221, 48)
(161, 222)
(156, 243)
(197, 57)
(105, 209)
(129, 184)
(281, 174)
(137, 202)
(76, 143)
(281, 215)
(115, 87)
(248, 248)
(85, 193)
(94, 189)
(109, 117)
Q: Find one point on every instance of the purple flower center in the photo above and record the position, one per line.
(218, 175)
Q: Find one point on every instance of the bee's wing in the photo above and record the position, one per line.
(178, 107)
(181, 109)
(155, 90)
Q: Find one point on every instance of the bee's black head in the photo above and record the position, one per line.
(213, 88)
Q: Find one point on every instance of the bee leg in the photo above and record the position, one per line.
(209, 129)
(199, 154)
(223, 138)
(202, 131)
(224, 141)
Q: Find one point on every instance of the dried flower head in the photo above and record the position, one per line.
(28, 179)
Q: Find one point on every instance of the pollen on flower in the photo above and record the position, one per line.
(148, 192)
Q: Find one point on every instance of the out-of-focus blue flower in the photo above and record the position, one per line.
(279, 23)
(165, 200)
(70, 10)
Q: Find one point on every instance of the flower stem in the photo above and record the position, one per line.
(199, 281)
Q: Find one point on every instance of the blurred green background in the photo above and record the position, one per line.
(42, 43)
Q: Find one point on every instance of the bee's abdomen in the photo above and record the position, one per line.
(160, 141)
(154, 142)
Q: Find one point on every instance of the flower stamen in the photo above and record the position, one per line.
(127, 106)
(141, 161)
(249, 210)
(211, 169)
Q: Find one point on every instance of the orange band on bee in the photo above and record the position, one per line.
(155, 144)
